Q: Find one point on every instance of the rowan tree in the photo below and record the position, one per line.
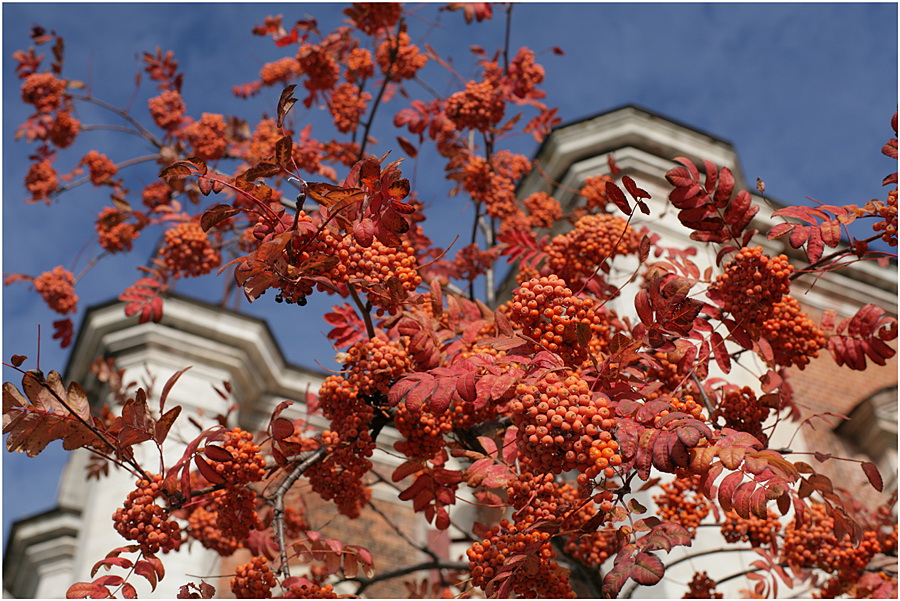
(548, 403)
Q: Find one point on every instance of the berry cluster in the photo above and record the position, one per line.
(374, 365)
(758, 532)
(687, 404)
(372, 17)
(304, 257)
(751, 285)
(100, 168)
(400, 58)
(310, 591)
(666, 373)
(57, 287)
(838, 587)
(471, 262)
(145, 522)
(480, 106)
(538, 498)
(742, 411)
(794, 337)
(280, 71)
(114, 234)
(41, 180)
(543, 210)
(358, 62)
(339, 477)
(681, 502)
(64, 128)
(551, 315)
(538, 576)
(347, 105)
(813, 544)
(562, 426)
(590, 245)
(44, 91)
(495, 191)
(207, 137)
(155, 194)
(525, 75)
(234, 510)
(422, 432)
(318, 66)
(187, 251)
(246, 465)
(253, 580)
(702, 586)
(204, 526)
(594, 192)
(377, 264)
(463, 415)
(167, 109)
(294, 521)
(262, 141)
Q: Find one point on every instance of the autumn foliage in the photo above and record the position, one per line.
(547, 403)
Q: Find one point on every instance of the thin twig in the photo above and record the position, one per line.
(146, 133)
(126, 163)
(706, 400)
(633, 586)
(403, 535)
(365, 583)
(370, 328)
(827, 258)
(103, 127)
(509, 8)
(380, 95)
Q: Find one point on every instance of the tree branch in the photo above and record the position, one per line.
(278, 504)
(370, 329)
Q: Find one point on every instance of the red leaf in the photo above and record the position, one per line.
(642, 304)
(648, 569)
(770, 381)
(418, 395)
(617, 197)
(728, 486)
(216, 215)
(217, 453)
(723, 359)
(815, 245)
(146, 569)
(81, 590)
(632, 188)
(465, 387)
(168, 387)
(873, 475)
(207, 471)
(285, 102)
(282, 428)
(780, 230)
(442, 396)
(165, 424)
(407, 147)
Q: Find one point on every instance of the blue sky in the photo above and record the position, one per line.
(804, 91)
